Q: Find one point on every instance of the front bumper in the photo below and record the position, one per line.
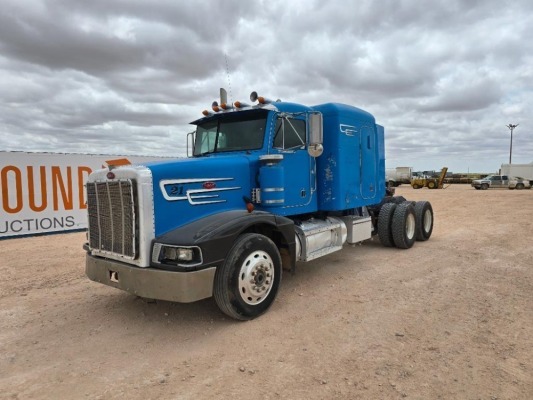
(152, 283)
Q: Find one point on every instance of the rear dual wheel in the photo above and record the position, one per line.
(386, 213)
(396, 225)
(424, 220)
(402, 224)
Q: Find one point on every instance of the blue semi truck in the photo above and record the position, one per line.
(266, 185)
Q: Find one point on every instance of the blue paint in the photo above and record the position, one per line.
(349, 174)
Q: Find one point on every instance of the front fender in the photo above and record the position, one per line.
(215, 234)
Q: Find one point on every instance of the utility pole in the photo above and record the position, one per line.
(511, 127)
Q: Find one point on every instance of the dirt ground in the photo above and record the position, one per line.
(451, 318)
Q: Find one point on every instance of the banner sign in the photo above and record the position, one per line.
(45, 192)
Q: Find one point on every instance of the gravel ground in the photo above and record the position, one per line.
(451, 318)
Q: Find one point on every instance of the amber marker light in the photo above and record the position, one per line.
(239, 104)
(249, 206)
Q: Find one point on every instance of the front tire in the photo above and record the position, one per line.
(484, 186)
(247, 282)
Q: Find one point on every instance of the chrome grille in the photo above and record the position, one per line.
(111, 208)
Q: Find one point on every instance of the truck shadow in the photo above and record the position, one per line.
(193, 319)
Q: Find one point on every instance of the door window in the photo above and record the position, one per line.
(289, 133)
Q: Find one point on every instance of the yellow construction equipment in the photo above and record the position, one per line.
(430, 183)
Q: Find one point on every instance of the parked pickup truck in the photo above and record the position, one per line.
(501, 181)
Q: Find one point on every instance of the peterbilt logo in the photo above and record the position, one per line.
(348, 130)
(196, 191)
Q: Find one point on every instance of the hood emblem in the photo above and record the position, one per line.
(189, 189)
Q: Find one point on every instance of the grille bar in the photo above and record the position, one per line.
(112, 223)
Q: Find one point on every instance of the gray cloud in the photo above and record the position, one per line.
(444, 78)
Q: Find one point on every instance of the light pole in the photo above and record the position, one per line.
(511, 127)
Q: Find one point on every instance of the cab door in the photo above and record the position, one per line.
(290, 140)
(496, 182)
(505, 181)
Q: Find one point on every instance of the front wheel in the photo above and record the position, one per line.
(247, 282)
(519, 186)
(484, 186)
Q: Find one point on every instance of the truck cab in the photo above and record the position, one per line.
(266, 185)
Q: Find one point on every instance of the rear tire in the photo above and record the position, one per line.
(424, 220)
(415, 186)
(385, 224)
(519, 186)
(247, 283)
(404, 226)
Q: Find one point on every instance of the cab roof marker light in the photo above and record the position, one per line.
(240, 104)
(207, 113)
(226, 106)
(215, 106)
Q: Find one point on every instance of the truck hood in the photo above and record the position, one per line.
(185, 190)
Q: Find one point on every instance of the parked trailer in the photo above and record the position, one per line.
(396, 176)
(267, 185)
(519, 170)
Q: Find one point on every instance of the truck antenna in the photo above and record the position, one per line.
(229, 81)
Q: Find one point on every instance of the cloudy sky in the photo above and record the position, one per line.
(444, 77)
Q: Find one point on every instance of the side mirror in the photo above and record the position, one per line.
(316, 137)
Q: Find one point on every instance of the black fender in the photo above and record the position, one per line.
(215, 235)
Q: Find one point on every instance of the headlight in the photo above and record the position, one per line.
(184, 256)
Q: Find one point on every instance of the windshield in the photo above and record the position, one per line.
(232, 132)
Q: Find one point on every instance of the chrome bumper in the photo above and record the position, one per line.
(151, 283)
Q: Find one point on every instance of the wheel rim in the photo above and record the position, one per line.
(256, 277)
(410, 225)
(427, 221)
